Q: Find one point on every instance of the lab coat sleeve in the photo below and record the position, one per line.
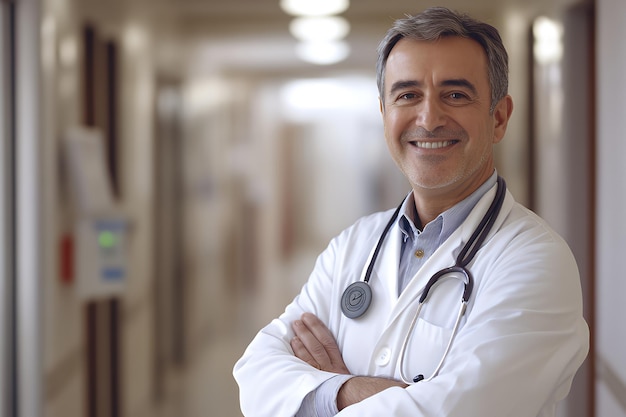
(272, 381)
(520, 347)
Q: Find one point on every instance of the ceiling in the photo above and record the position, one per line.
(252, 36)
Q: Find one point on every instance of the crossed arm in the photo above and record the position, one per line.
(315, 344)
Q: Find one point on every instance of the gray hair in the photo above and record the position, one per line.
(438, 22)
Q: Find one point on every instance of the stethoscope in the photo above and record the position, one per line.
(357, 298)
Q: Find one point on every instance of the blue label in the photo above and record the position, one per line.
(112, 273)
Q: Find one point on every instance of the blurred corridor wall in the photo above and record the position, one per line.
(610, 208)
(64, 340)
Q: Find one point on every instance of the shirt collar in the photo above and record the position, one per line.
(448, 221)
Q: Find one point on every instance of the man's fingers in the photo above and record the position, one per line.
(302, 353)
(319, 329)
(325, 337)
(318, 344)
(311, 344)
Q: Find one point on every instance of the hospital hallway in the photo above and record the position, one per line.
(171, 169)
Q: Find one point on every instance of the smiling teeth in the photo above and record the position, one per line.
(433, 145)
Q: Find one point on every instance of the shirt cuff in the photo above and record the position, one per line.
(322, 402)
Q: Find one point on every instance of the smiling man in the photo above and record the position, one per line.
(460, 302)
(439, 122)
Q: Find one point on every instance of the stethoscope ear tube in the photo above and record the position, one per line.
(379, 245)
(468, 282)
(484, 227)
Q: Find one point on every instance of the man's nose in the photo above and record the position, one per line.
(431, 114)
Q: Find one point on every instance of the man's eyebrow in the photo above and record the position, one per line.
(460, 82)
(402, 84)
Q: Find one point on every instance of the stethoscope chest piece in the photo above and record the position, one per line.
(356, 299)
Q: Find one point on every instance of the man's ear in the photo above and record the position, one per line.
(381, 105)
(501, 116)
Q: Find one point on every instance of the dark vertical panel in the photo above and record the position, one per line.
(89, 119)
(579, 108)
(169, 194)
(114, 331)
(112, 164)
(100, 81)
(179, 278)
(89, 57)
(288, 186)
(8, 313)
(91, 357)
(576, 185)
(103, 354)
(160, 261)
(112, 137)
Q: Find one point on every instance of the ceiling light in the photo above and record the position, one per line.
(328, 28)
(314, 7)
(323, 52)
(548, 45)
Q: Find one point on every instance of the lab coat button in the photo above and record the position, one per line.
(384, 356)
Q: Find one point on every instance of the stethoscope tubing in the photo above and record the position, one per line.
(405, 343)
(467, 253)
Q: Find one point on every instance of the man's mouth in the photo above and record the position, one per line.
(433, 145)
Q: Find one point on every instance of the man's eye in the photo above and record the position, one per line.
(458, 96)
(407, 96)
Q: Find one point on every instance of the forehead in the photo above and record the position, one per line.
(437, 61)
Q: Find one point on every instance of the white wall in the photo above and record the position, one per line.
(611, 206)
(30, 204)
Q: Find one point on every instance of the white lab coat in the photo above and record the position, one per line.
(519, 345)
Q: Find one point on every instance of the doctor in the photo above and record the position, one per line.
(442, 80)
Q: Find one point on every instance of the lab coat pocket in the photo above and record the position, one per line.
(424, 349)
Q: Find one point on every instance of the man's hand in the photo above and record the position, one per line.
(359, 388)
(315, 345)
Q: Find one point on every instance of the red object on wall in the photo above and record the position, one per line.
(66, 261)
